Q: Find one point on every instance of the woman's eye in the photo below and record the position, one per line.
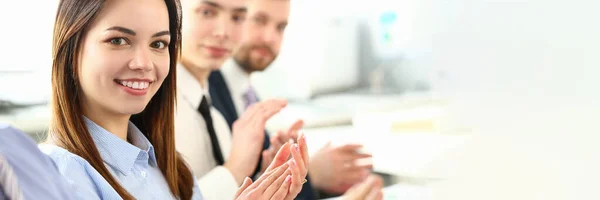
(158, 45)
(118, 41)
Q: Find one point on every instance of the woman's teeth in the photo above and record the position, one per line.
(140, 85)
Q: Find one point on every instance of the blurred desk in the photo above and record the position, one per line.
(405, 143)
(314, 116)
(406, 155)
(404, 138)
(521, 151)
(341, 109)
(404, 192)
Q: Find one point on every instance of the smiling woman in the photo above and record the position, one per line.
(113, 59)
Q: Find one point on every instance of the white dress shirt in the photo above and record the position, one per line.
(193, 142)
(238, 82)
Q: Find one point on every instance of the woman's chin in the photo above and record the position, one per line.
(132, 110)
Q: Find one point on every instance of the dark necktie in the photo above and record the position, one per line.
(204, 110)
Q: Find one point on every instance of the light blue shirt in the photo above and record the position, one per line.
(133, 165)
(35, 173)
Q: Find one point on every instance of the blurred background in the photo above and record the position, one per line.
(471, 99)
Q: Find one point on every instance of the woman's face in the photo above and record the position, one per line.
(125, 56)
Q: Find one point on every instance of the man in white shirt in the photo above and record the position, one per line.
(221, 158)
(333, 170)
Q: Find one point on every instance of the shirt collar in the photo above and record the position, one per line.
(236, 78)
(189, 87)
(120, 154)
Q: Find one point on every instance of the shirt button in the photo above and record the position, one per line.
(143, 174)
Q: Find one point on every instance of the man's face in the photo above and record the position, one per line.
(263, 32)
(211, 31)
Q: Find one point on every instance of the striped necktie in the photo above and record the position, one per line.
(8, 181)
(250, 97)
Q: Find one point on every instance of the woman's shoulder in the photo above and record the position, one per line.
(81, 176)
(62, 157)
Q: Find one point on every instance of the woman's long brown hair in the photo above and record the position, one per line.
(68, 129)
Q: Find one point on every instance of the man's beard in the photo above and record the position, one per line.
(249, 64)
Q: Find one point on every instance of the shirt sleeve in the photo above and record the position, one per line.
(217, 184)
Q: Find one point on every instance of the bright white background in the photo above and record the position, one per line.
(26, 54)
(524, 72)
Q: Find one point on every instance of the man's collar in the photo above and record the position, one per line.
(237, 79)
(189, 86)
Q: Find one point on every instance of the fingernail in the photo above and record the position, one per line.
(294, 163)
(288, 179)
(296, 147)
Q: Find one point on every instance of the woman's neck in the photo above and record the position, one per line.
(113, 123)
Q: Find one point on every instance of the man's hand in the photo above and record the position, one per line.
(334, 169)
(370, 189)
(248, 137)
(277, 141)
